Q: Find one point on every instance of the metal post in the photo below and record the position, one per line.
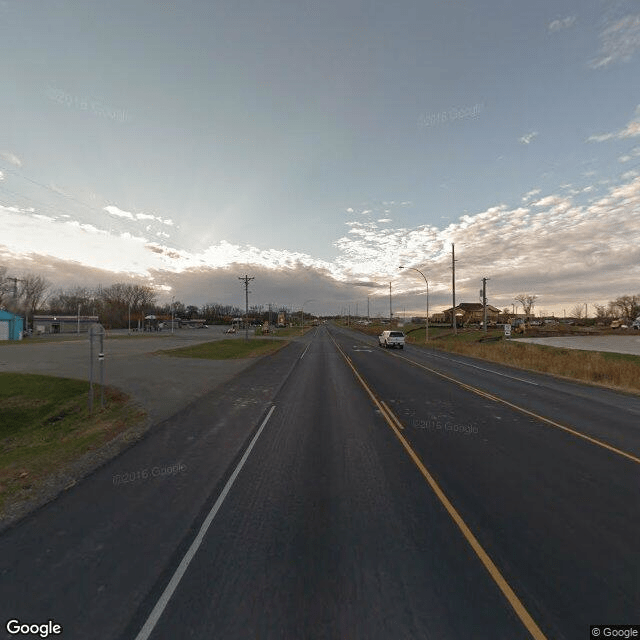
(78, 319)
(129, 325)
(101, 360)
(427, 323)
(390, 310)
(453, 288)
(427, 283)
(484, 304)
(90, 369)
(172, 321)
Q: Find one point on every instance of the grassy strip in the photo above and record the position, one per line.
(287, 332)
(45, 425)
(614, 370)
(228, 349)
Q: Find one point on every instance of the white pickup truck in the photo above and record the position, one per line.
(391, 339)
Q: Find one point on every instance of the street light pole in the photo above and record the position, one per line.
(427, 283)
(172, 323)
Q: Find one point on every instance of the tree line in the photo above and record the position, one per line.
(115, 305)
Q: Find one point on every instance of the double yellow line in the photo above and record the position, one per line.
(489, 565)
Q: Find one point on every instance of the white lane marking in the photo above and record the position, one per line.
(475, 366)
(305, 351)
(158, 610)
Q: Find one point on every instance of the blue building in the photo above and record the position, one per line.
(10, 326)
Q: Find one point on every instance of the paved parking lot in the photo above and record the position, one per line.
(159, 383)
(615, 344)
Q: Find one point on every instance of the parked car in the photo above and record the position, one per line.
(636, 323)
(391, 339)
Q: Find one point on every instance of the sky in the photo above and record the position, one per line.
(320, 146)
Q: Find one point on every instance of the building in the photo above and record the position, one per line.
(63, 324)
(11, 326)
(472, 312)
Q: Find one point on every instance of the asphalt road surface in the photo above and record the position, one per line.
(339, 490)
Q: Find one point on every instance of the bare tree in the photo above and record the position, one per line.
(5, 287)
(627, 307)
(602, 312)
(577, 311)
(33, 292)
(527, 301)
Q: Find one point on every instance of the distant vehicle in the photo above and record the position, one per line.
(391, 339)
(231, 330)
(636, 323)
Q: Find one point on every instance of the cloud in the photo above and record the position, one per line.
(528, 137)
(618, 42)
(530, 194)
(553, 246)
(634, 153)
(563, 23)
(116, 211)
(632, 130)
(11, 158)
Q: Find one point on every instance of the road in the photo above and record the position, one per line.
(337, 490)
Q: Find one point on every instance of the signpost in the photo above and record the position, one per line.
(507, 330)
(97, 333)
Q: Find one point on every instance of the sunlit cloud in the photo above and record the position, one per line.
(630, 131)
(527, 196)
(547, 243)
(618, 42)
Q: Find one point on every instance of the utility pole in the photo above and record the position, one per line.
(368, 316)
(453, 288)
(390, 310)
(349, 317)
(246, 279)
(357, 316)
(484, 304)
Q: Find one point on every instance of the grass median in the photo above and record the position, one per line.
(228, 349)
(45, 426)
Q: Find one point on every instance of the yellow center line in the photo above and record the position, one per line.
(392, 415)
(516, 407)
(489, 565)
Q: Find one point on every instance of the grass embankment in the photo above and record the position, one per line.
(228, 349)
(45, 425)
(616, 370)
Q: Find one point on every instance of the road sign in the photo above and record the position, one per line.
(507, 330)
